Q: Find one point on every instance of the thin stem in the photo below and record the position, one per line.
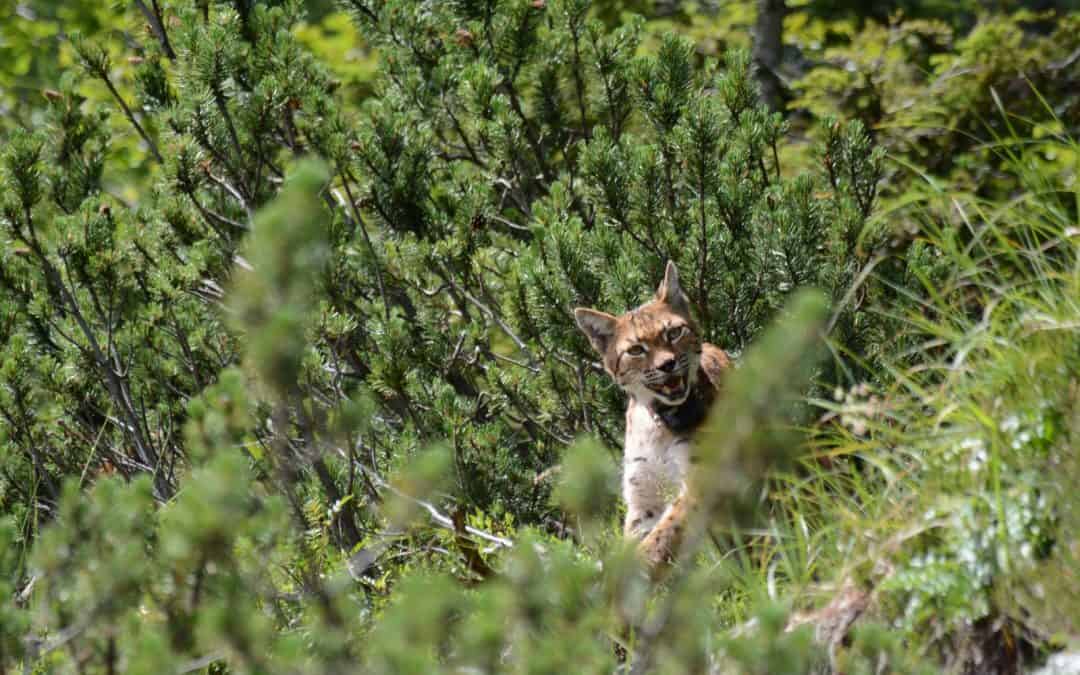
(371, 246)
(131, 117)
(153, 17)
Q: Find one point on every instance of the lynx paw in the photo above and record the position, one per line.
(662, 544)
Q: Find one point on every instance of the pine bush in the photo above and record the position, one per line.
(228, 397)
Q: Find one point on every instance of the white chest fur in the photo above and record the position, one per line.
(655, 465)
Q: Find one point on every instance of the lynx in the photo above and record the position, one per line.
(656, 355)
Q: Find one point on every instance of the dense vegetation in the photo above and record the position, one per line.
(289, 380)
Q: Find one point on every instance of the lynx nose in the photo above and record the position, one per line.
(668, 365)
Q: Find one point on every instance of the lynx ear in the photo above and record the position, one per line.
(599, 327)
(670, 291)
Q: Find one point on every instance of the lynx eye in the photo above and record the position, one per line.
(636, 350)
(675, 333)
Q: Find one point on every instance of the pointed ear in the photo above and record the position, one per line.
(599, 327)
(670, 291)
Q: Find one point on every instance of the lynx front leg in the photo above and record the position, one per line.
(663, 542)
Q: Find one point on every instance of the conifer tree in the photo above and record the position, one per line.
(516, 160)
(522, 159)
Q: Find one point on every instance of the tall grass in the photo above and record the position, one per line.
(945, 489)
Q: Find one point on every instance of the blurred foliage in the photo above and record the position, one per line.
(943, 99)
(289, 380)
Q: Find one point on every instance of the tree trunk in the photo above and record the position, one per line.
(768, 51)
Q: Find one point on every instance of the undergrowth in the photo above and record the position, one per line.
(285, 415)
(944, 488)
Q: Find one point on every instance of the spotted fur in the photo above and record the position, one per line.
(656, 355)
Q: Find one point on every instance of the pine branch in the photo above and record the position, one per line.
(153, 17)
(131, 117)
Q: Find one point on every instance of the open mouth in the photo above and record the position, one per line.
(673, 388)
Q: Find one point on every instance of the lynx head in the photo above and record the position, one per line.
(652, 352)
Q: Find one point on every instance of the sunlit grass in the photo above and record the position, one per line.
(940, 486)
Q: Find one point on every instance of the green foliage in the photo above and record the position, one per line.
(942, 98)
(967, 441)
(13, 621)
(589, 489)
(273, 298)
(529, 161)
(289, 380)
